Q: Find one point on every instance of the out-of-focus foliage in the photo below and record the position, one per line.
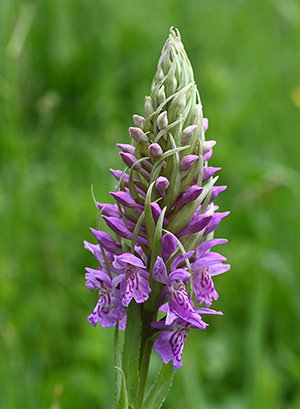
(72, 74)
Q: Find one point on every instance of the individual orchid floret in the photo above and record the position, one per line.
(187, 162)
(205, 124)
(215, 221)
(162, 120)
(187, 133)
(170, 342)
(95, 250)
(109, 308)
(134, 283)
(126, 147)
(205, 265)
(138, 120)
(207, 146)
(203, 287)
(180, 302)
(155, 151)
(207, 156)
(118, 226)
(107, 241)
(138, 135)
(169, 244)
(169, 345)
(162, 185)
(124, 198)
(110, 210)
(208, 172)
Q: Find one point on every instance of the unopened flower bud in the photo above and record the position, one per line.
(107, 241)
(215, 221)
(168, 244)
(198, 223)
(126, 148)
(117, 225)
(138, 120)
(166, 63)
(118, 174)
(155, 151)
(162, 185)
(156, 211)
(208, 171)
(160, 75)
(207, 156)
(192, 193)
(207, 146)
(216, 190)
(187, 162)
(148, 106)
(205, 124)
(171, 85)
(130, 160)
(109, 209)
(138, 135)
(198, 113)
(124, 198)
(161, 95)
(162, 120)
(180, 105)
(187, 133)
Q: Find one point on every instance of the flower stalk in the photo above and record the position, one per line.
(158, 257)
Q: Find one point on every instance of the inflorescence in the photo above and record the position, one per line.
(163, 218)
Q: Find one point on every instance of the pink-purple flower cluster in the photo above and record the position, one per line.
(163, 218)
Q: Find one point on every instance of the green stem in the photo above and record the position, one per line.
(145, 354)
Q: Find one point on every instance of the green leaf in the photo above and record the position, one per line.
(131, 351)
(136, 231)
(160, 388)
(149, 218)
(123, 401)
(157, 237)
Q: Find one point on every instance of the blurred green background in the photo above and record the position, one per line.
(72, 74)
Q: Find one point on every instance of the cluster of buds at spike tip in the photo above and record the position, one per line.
(158, 254)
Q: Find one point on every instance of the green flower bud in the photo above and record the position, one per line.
(162, 120)
(161, 95)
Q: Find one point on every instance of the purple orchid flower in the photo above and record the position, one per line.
(205, 265)
(169, 345)
(109, 308)
(170, 342)
(180, 304)
(133, 278)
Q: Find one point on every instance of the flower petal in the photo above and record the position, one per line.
(137, 287)
(179, 259)
(169, 345)
(203, 287)
(160, 271)
(207, 245)
(128, 258)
